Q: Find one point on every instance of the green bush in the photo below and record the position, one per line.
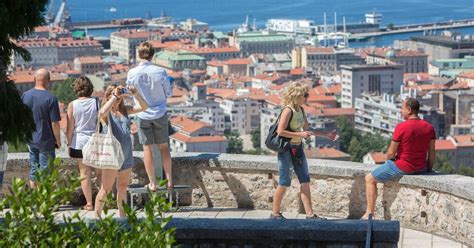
(32, 218)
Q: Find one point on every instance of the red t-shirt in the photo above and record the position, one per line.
(414, 137)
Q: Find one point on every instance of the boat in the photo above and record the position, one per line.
(113, 9)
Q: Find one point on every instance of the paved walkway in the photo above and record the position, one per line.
(408, 238)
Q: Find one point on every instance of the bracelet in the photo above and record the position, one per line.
(114, 97)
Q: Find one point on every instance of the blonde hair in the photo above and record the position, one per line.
(108, 94)
(294, 91)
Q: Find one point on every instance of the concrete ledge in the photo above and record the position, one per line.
(457, 185)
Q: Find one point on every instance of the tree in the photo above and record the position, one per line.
(64, 91)
(346, 132)
(256, 138)
(442, 164)
(17, 18)
(355, 149)
(236, 144)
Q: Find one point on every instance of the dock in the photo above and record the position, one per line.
(411, 28)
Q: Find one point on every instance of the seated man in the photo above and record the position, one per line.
(411, 151)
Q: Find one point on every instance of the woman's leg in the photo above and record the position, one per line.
(122, 183)
(86, 185)
(284, 181)
(305, 194)
(108, 179)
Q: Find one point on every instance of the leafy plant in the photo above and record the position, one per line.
(32, 219)
(64, 91)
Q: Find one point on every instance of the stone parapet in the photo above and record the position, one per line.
(435, 203)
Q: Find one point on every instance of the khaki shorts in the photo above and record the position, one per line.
(152, 132)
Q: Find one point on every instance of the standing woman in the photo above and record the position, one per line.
(81, 124)
(293, 124)
(115, 114)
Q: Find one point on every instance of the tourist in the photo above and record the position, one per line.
(116, 115)
(153, 84)
(293, 124)
(411, 151)
(46, 136)
(81, 125)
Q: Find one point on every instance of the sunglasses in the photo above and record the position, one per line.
(306, 95)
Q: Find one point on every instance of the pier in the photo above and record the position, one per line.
(411, 28)
(116, 23)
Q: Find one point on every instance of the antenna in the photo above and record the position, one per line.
(325, 29)
(335, 22)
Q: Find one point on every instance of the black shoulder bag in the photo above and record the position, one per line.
(274, 141)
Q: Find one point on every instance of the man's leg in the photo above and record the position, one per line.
(166, 161)
(34, 164)
(149, 165)
(371, 194)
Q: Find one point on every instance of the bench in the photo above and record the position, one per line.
(136, 191)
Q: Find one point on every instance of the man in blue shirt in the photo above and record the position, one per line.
(46, 137)
(152, 83)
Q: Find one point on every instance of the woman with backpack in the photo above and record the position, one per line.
(293, 125)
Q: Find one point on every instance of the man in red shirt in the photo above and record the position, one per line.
(411, 151)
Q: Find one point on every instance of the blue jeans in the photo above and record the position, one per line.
(39, 160)
(386, 172)
(285, 162)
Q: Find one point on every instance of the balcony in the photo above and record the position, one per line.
(437, 204)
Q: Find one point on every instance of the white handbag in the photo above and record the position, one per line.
(103, 151)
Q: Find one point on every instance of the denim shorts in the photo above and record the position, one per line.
(285, 162)
(386, 172)
(39, 160)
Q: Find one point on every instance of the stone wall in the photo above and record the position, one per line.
(440, 204)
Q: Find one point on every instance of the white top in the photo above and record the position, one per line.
(152, 83)
(85, 113)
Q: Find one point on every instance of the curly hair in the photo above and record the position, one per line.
(83, 87)
(290, 96)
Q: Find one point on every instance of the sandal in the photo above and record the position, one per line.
(151, 189)
(315, 217)
(277, 217)
(88, 207)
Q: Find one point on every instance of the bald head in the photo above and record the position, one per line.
(42, 78)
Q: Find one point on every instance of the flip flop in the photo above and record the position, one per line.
(148, 187)
(88, 207)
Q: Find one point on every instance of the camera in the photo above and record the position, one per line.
(123, 91)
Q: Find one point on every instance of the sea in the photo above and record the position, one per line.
(226, 15)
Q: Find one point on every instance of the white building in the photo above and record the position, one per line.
(194, 25)
(50, 52)
(373, 18)
(458, 149)
(125, 43)
(196, 136)
(472, 118)
(372, 79)
(380, 114)
(242, 114)
(291, 26)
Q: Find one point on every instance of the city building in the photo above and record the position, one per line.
(451, 67)
(47, 52)
(196, 136)
(194, 25)
(472, 118)
(25, 80)
(458, 149)
(380, 114)
(324, 60)
(179, 60)
(261, 42)
(125, 43)
(375, 158)
(448, 45)
(291, 26)
(330, 153)
(238, 67)
(467, 78)
(412, 61)
(214, 53)
(89, 65)
(372, 79)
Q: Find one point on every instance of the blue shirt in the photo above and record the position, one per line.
(152, 83)
(45, 110)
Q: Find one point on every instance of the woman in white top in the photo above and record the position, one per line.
(81, 124)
